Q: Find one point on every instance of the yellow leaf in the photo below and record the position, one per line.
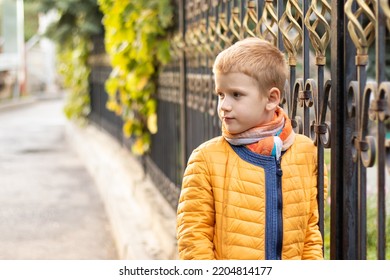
(113, 106)
(142, 82)
(111, 86)
(131, 82)
(152, 123)
(138, 147)
(127, 128)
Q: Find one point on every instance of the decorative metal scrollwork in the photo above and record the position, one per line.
(212, 46)
(222, 31)
(199, 86)
(204, 5)
(291, 30)
(351, 99)
(361, 27)
(235, 25)
(267, 26)
(296, 121)
(320, 43)
(212, 100)
(169, 83)
(351, 109)
(386, 9)
(190, 46)
(178, 46)
(305, 96)
(203, 91)
(380, 111)
(196, 93)
(380, 106)
(203, 42)
(367, 142)
(320, 126)
(190, 90)
(361, 36)
(250, 19)
(197, 8)
(374, 108)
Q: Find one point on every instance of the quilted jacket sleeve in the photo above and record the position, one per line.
(195, 213)
(313, 241)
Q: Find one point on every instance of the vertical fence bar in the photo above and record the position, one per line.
(338, 118)
(380, 47)
(280, 10)
(320, 148)
(315, 17)
(362, 172)
(349, 212)
(290, 25)
(306, 71)
(182, 89)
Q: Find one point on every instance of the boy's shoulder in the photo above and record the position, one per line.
(303, 144)
(215, 143)
(215, 148)
(300, 138)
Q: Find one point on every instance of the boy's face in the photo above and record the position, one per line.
(241, 104)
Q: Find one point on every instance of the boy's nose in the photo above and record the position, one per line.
(226, 105)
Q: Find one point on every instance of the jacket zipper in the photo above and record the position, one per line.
(279, 174)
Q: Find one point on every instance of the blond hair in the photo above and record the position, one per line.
(256, 58)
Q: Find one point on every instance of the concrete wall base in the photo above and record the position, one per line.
(143, 223)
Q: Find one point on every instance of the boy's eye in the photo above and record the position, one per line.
(236, 94)
(220, 94)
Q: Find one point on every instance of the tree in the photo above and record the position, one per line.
(76, 23)
(80, 18)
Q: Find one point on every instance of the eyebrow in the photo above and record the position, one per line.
(236, 89)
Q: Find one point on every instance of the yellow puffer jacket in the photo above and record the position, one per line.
(233, 205)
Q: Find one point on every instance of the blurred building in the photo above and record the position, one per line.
(26, 68)
(41, 60)
(12, 61)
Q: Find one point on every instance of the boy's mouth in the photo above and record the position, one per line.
(227, 119)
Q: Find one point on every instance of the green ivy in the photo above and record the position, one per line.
(136, 42)
(75, 24)
(74, 69)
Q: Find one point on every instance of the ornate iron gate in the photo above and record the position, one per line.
(339, 95)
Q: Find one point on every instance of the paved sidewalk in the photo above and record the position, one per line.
(50, 207)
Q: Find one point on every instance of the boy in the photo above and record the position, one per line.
(250, 193)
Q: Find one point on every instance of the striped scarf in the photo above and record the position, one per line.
(269, 139)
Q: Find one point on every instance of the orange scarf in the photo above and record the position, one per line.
(269, 139)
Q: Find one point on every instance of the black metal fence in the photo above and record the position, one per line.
(100, 71)
(339, 95)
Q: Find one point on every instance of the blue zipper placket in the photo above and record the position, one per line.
(279, 174)
(273, 201)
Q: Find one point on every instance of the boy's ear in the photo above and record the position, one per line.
(273, 99)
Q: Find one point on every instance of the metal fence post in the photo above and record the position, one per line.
(343, 182)
(182, 90)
